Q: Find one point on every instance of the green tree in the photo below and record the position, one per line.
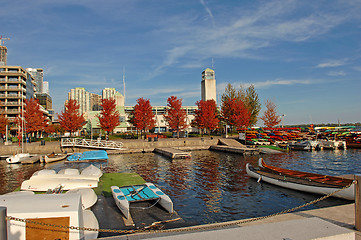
(253, 104)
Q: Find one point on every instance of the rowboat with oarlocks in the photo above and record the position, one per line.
(303, 181)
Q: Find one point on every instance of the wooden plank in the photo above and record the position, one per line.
(128, 222)
(36, 231)
(358, 203)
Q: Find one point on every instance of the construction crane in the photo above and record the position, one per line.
(2, 40)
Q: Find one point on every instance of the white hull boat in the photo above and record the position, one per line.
(89, 173)
(88, 196)
(125, 195)
(302, 181)
(58, 209)
(17, 158)
(42, 184)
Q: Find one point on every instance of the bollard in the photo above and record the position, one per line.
(358, 202)
(3, 224)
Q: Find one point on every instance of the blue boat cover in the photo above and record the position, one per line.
(138, 193)
(88, 155)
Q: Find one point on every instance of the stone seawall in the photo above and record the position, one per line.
(130, 146)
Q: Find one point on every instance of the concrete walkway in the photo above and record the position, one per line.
(326, 223)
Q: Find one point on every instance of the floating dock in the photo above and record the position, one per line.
(233, 146)
(143, 214)
(31, 159)
(173, 153)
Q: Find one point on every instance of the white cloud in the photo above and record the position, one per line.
(270, 83)
(337, 73)
(332, 63)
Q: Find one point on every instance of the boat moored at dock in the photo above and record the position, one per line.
(303, 181)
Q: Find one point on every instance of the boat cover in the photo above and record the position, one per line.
(88, 155)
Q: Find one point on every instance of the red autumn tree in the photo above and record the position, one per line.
(4, 121)
(175, 115)
(206, 115)
(70, 119)
(35, 119)
(109, 116)
(142, 116)
(235, 113)
(270, 117)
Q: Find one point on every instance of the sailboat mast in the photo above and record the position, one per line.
(22, 124)
(124, 83)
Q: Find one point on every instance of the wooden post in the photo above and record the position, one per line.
(358, 202)
(3, 224)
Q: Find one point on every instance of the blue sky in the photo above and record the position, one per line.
(302, 55)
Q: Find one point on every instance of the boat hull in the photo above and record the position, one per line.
(165, 200)
(17, 158)
(44, 184)
(54, 158)
(348, 193)
(120, 200)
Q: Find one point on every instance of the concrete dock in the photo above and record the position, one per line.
(325, 223)
(173, 153)
(233, 146)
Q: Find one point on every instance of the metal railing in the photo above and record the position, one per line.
(91, 143)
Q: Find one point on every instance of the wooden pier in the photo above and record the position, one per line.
(173, 153)
(31, 159)
(233, 146)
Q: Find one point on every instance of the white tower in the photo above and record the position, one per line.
(208, 85)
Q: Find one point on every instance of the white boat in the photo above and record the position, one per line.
(90, 221)
(90, 173)
(54, 157)
(125, 195)
(332, 144)
(16, 158)
(41, 184)
(302, 181)
(165, 200)
(92, 170)
(58, 209)
(306, 145)
(88, 196)
(120, 200)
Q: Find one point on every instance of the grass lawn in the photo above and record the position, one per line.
(117, 179)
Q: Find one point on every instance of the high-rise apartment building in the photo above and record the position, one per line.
(82, 96)
(3, 55)
(95, 102)
(46, 87)
(38, 75)
(112, 93)
(208, 85)
(16, 85)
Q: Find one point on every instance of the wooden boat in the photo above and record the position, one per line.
(302, 181)
(54, 157)
(58, 209)
(88, 156)
(125, 195)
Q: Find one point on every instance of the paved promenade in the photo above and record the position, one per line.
(325, 223)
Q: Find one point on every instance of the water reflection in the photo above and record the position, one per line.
(212, 186)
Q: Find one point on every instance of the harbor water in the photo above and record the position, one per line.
(211, 186)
